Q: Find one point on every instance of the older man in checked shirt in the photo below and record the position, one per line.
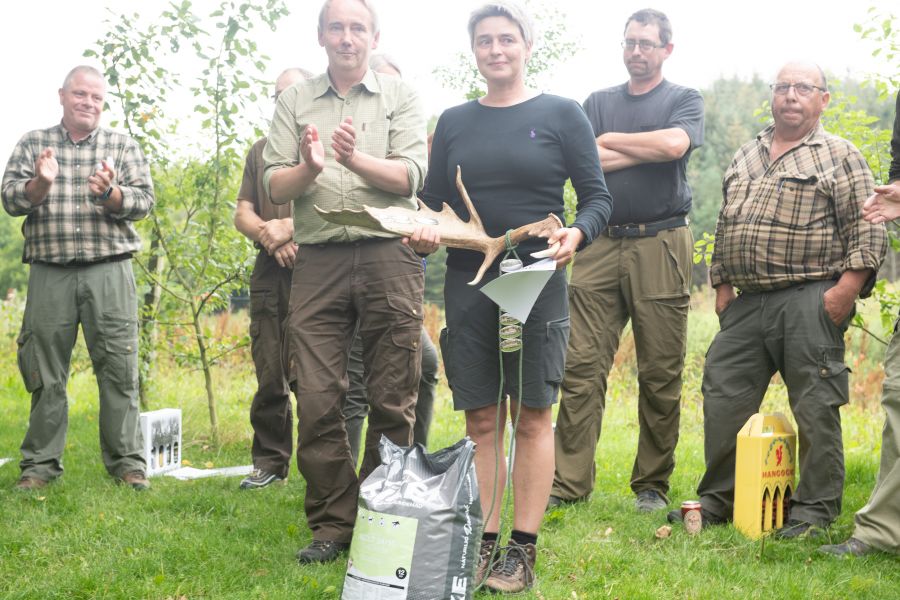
(79, 186)
(791, 237)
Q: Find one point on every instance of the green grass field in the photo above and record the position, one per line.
(86, 537)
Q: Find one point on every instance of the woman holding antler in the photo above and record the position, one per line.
(516, 148)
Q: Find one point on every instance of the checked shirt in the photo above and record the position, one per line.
(67, 226)
(795, 219)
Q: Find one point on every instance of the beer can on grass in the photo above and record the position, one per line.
(691, 517)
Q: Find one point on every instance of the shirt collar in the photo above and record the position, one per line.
(813, 138)
(64, 133)
(322, 84)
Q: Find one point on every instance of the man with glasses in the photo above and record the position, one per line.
(639, 269)
(271, 229)
(792, 239)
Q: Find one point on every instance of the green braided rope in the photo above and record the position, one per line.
(497, 432)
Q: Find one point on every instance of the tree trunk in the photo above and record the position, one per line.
(148, 325)
(207, 378)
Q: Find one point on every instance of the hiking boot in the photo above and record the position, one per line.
(485, 552)
(29, 483)
(709, 520)
(649, 501)
(795, 528)
(321, 551)
(515, 573)
(852, 547)
(259, 479)
(136, 479)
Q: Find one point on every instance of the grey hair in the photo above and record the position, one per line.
(377, 61)
(78, 71)
(806, 64)
(367, 3)
(502, 8)
(649, 16)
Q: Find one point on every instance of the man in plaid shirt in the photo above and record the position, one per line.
(791, 237)
(79, 187)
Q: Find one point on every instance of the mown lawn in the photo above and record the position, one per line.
(86, 537)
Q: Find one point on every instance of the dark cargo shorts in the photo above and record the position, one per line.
(470, 344)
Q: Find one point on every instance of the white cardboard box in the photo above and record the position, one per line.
(162, 439)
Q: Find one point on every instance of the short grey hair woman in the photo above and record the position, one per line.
(516, 148)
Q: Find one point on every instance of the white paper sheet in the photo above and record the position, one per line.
(185, 473)
(517, 292)
(3, 461)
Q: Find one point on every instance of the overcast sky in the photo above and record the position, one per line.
(41, 41)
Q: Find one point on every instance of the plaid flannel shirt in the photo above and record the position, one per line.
(67, 226)
(795, 219)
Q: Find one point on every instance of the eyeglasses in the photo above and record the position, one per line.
(645, 45)
(802, 89)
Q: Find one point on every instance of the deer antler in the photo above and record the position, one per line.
(455, 232)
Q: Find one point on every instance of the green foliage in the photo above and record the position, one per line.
(703, 248)
(13, 273)
(552, 45)
(845, 118)
(195, 258)
(881, 31)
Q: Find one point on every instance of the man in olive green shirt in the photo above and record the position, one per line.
(375, 156)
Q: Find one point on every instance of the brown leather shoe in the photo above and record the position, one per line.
(516, 572)
(485, 552)
(136, 479)
(27, 483)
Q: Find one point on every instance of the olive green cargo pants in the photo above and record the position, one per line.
(647, 280)
(787, 331)
(101, 297)
(878, 522)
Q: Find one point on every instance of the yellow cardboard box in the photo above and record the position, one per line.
(765, 469)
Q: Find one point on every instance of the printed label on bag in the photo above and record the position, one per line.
(380, 556)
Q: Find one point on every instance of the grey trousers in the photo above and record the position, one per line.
(102, 299)
(787, 331)
(878, 522)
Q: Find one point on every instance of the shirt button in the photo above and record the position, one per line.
(824, 372)
(78, 230)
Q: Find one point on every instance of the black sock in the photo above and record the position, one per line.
(522, 538)
(489, 536)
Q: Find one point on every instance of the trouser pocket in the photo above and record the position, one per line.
(27, 357)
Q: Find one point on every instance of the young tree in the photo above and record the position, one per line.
(195, 259)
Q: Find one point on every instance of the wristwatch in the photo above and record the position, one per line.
(106, 194)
